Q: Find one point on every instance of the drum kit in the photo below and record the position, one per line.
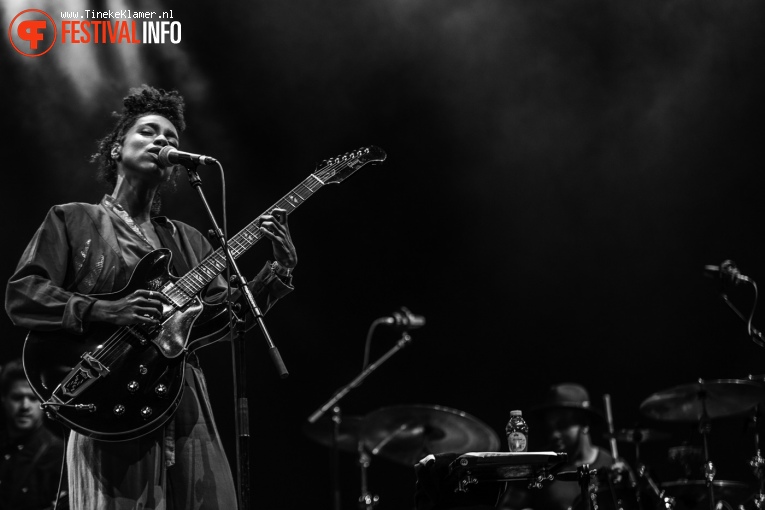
(403, 434)
(697, 403)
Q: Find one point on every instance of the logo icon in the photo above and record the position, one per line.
(32, 32)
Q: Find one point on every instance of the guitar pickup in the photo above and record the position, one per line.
(87, 371)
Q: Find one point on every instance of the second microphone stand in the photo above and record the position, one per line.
(238, 353)
(366, 500)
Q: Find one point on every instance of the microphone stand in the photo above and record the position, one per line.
(242, 427)
(732, 272)
(366, 500)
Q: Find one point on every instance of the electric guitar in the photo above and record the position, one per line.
(121, 382)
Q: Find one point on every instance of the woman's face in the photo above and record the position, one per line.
(140, 149)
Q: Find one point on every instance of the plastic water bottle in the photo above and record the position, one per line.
(517, 432)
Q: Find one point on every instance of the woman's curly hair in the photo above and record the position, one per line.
(140, 101)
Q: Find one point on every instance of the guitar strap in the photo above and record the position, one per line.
(166, 236)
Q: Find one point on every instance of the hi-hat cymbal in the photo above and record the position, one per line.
(324, 429)
(719, 398)
(641, 435)
(407, 433)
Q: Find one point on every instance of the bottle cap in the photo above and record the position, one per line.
(516, 413)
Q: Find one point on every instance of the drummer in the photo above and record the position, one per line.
(565, 416)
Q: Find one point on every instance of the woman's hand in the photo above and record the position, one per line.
(274, 226)
(140, 307)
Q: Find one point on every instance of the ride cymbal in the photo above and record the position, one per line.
(407, 433)
(718, 398)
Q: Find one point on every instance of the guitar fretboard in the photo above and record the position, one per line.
(195, 280)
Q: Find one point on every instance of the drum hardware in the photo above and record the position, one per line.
(705, 427)
(666, 502)
(638, 436)
(481, 467)
(588, 491)
(367, 500)
(757, 462)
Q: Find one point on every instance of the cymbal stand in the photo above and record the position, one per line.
(705, 427)
(667, 502)
(337, 420)
(367, 501)
(758, 462)
(588, 491)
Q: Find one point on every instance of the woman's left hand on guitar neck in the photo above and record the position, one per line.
(274, 226)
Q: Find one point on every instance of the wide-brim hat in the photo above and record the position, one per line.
(568, 396)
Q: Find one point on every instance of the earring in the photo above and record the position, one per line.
(115, 153)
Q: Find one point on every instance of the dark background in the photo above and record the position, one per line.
(558, 175)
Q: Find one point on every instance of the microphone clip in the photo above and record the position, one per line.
(404, 320)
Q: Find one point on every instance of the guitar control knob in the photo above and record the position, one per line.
(142, 369)
(119, 409)
(161, 390)
(146, 411)
(132, 386)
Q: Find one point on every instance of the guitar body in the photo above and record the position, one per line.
(125, 381)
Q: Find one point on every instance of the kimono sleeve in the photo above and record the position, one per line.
(36, 297)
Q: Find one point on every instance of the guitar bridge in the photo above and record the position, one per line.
(87, 371)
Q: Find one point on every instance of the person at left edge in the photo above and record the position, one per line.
(86, 249)
(32, 456)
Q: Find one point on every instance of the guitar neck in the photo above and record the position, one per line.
(334, 171)
(196, 279)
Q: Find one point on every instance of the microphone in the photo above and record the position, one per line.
(404, 319)
(172, 156)
(727, 272)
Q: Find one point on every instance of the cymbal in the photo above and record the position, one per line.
(694, 493)
(721, 397)
(324, 429)
(641, 435)
(407, 433)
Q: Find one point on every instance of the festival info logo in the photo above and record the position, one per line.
(32, 32)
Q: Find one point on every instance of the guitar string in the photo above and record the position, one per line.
(114, 347)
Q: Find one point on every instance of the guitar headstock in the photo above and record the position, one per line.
(336, 170)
